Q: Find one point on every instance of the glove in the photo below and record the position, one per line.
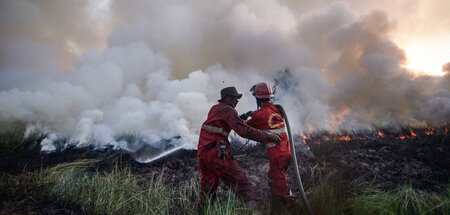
(274, 138)
(245, 116)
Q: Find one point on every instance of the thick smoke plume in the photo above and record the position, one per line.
(97, 71)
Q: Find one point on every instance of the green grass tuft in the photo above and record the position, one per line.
(325, 192)
(78, 186)
(403, 201)
(115, 192)
(229, 205)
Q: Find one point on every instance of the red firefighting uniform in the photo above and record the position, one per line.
(221, 119)
(269, 118)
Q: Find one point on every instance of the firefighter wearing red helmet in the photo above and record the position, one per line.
(270, 119)
(214, 159)
(262, 91)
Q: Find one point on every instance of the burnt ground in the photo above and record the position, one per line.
(381, 163)
(386, 163)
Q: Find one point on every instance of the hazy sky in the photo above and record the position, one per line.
(420, 27)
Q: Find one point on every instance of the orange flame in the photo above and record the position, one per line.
(303, 137)
(338, 118)
(412, 133)
(343, 138)
(410, 136)
(429, 131)
(381, 134)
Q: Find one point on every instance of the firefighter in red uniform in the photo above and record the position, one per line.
(214, 159)
(269, 118)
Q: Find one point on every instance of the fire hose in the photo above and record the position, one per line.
(294, 160)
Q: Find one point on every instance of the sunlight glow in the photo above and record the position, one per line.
(428, 56)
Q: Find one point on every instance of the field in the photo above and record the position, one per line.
(388, 173)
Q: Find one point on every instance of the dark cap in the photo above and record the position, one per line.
(229, 91)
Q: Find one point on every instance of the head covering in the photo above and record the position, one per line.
(262, 91)
(229, 91)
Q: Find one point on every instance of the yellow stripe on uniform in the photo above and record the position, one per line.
(275, 125)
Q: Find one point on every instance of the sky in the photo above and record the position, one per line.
(422, 29)
(89, 70)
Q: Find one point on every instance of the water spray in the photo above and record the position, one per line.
(163, 154)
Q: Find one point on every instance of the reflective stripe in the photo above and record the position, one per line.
(215, 129)
(276, 131)
(270, 145)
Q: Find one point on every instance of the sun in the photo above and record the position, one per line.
(428, 56)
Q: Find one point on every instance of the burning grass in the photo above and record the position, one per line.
(357, 176)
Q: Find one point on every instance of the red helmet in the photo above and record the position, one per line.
(262, 91)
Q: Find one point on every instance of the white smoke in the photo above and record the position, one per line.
(154, 68)
(47, 144)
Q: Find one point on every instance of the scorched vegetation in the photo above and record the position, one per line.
(379, 173)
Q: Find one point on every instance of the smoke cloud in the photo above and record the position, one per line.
(96, 71)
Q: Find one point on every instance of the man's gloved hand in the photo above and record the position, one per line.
(274, 138)
(245, 116)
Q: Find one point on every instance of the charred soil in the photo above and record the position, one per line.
(378, 163)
